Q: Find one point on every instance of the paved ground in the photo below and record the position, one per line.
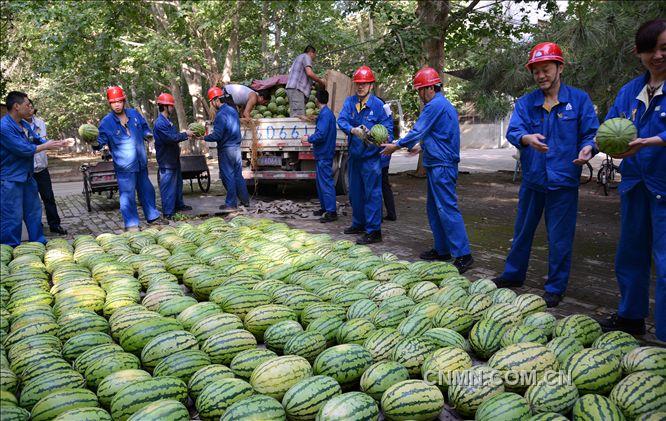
(487, 201)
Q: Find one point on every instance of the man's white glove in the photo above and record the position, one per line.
(361, 132)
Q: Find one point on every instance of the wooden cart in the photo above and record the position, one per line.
(194, 167)
(98, 178)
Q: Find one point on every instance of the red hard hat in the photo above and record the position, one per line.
(363, 75)
(425, 77)
(115, 94)
(165, 99)
(546, 51)
(215, 92)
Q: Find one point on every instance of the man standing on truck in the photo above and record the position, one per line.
(247, 98)
(300, 80)
(359, 113)
(323, 146)
(226, 133)
(439, 133)
(167, 149)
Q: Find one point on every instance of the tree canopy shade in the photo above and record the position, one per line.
(65, 53)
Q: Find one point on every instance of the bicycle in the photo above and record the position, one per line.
(607, 175)
(586, 176)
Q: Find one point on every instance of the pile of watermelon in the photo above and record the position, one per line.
(248, 319)
(278, 106)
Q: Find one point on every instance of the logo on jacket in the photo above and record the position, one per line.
(568, 107)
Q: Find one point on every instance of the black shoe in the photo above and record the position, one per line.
(373, 237)
(328, 217)
(158, 221)
(551, 299)
(433, 255)
(354, 230)
(463, 263)
(505, 283)
(58, 230)
(631, 326)
(225, 208)
(168, 217)
(184, 208)
(246, 204)
(319, 212)
(390, 218)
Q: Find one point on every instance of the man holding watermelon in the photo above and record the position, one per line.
(554, 128)
(125, 131)
(167, 150)
(643, 186)
(359, 115)
(438, 132)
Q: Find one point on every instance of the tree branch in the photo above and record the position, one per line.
(462, 13)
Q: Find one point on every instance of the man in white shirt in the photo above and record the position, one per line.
(43, 177)
(246, 98)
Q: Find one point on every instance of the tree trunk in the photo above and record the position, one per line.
(264, 38)
(178, 102)
(233, 45)
(192, 75)
(278, 40)
(371, 26)
(361, 32)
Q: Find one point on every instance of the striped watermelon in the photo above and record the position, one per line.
(162, 410)
(564, 346)
(426, 308)
(14, 413)
(554, 393)
(523, 333)
(653, 416)
(175, 306)
(246, 361)
(315, 311)
(274, 377)
(381, 342)
(616, 341)
(63, 400)
(166, 344)
(260, 318)
(327, 326)
(542, 320)
(306, 344)
(80, 343)
(505, 406)
(412, 352)
(240, 301)
(182, 364)
(189, 316)
(88, 357)
(593, 370)
(443, 337)
(84, 414)
(139, 394)
(202, 377)
(421, 291)
(364, 308)
(136, 337)
(414, 326)
(277, 335)
(646, 358)
(224, 346)
(593, 407)
(389, 316)
(345, 363)
(112, 383)
(504, 312)
(639, 394)
(470, 387)
(486, 335)
(386, 290)
(7, 398)
(303, 400)
(455, 318)
(525, 357)
(217, 396)
(548, 416)
(110, 364)
(215, 323)
(354, 331)
(40, 387)
(439, 366)
(255, 408)
(380, 376)
(503, 295)
(451, 295)
(346, 298)
(412, 400)
(401, 302)
(351, 406)
(582, 327)
(530, 303)
(482, 286)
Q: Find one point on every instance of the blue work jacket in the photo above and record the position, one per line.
(167, 140)
(568, 127)
(323, 139)
(372, 113)
(649, 164)
(439, 132)
(127, 148)
(226, 128)
(18, 143)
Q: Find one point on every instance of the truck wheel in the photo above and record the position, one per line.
(342, 177)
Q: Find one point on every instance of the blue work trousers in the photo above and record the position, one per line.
(560, 207)
(231, 174)
(129, 184)
(446, 221)
(171, 190)
(19, 202)
(642, 237)
(325, 185)
(365, 193)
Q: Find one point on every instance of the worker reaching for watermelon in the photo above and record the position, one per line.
(554, 128)
(643, 186)
(359, 115)
(438, 132)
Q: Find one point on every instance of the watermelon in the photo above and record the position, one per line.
(470, 387)
(380, 376)
(364, 308)
(646, 358)
(84, 414)
(224, 346)
(40, 387)
(593, 370)
(141, 393)
(166, 344)
(443, 337)
(412, 400)
(530, 303)
(486, 335)
(593, 407)
(189, 316)
(351, 406)
(345, 363)
(255, 408)
(414, 326)
(614, 135)
(13, 413)
(137, 336)
(427, 309)
(523, 333)
(548, 416)
(214, 324)
(440, 366)
(304, 399)
(503, 295)
(62, 400)
(275, 376)
(277, 335)
(381, 342)
(101, 368)
(206, 375)
(505, 406)
(354, 331)
(88, 133)
(182, 364)
(525, 357)
(260, 318)
(639, 394)
(453, 317)
(412, 352)
(584, 328)
(216, 397)
(542, 320)
(327, 326)
(198, 128)
(388, 316)
(616, 341)
(112, 383)
(504, 312)
(307, 345)
(564, 347)
(554, 393)
(162, 410)
(246, 361)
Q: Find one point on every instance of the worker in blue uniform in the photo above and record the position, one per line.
(323, 147)
(226, 133)
(124, 131)
(554, 128)
(643, 188)
(167, 149)
(438, 132)
(359, 114)
(18, 189)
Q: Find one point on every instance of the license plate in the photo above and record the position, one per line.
(269, 161)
